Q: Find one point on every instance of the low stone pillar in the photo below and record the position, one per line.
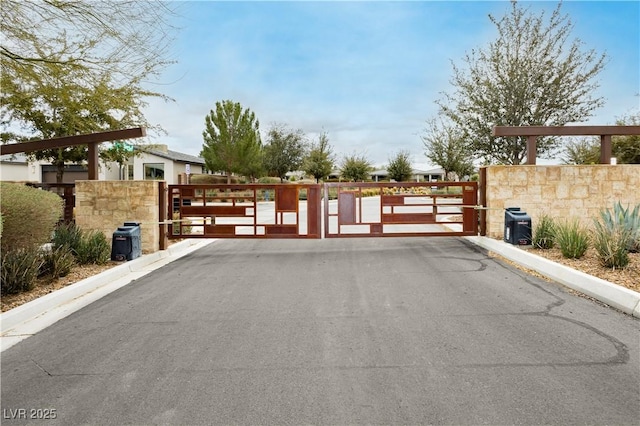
(105, 205)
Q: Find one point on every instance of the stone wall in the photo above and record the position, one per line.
(105, 205)
(559, 191)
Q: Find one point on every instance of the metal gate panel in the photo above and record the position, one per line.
(400, 209)
(244, 211)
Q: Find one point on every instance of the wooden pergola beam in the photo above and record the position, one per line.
(532, 132)
(565, 130)
(92, 140)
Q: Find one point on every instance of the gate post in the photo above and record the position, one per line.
(483, 201)
(162, 214)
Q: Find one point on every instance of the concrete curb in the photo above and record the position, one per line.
(619, 297)
(25, 320)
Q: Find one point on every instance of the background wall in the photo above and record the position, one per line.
(105, 205)
(560, 191)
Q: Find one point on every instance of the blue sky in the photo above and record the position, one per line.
(367, 73)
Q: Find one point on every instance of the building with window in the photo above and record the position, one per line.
(157, 162)
(150, 162)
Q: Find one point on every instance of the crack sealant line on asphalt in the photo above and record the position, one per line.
(622, 298)
(19, 323)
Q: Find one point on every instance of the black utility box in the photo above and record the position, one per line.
(517, 227)
(126, 242)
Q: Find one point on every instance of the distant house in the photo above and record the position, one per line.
(17, 168)
(150, 162)
(157, 162)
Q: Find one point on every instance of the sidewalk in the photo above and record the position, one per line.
(19, 323)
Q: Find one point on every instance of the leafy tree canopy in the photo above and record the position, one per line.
(73, 67)
(445, 146)
(62, 102)
(534, 73)
(232, 140)
(284, 150)
(355, 168)
(399, 168)
(625, 149)
(319, 162)
(125, 38)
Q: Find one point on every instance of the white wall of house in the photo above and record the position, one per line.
(147, 166)
(13, 171)
(18, 168)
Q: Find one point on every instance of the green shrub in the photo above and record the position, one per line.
(544, 233)
(268, 180)
(30, 216)
(211, 179)
(19, 269)
(572, 238)
(57, 262)
(67, 235)
(93, 248)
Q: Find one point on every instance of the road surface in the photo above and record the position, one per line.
(353, 331)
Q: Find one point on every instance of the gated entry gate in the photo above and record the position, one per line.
(350, 210)
(400, 209)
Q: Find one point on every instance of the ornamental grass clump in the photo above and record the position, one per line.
(67, 235)
(544, 233)
(57, 262)
(572, 238)
(19, 269)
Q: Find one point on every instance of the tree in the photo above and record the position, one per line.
(445, 146)
(125, 39)
(231, 139)
(355, 168)
(319, 162)
(120, 153)
(399, 168)
(582, 151)
(626, 149)
(284, 150)
(63, 101)
(72, 67)
(532, 74)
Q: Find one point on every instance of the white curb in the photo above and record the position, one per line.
(25, 320)
(619, 297)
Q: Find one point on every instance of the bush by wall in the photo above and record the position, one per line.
(94, 248)
(211, 179)
(30, 216)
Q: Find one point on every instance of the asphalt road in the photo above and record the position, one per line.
(354, 331)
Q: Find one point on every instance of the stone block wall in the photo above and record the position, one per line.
(105, 205)
(561, 191)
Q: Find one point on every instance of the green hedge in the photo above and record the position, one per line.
(30, 215)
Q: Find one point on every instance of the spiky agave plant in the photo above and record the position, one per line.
(627, 219)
